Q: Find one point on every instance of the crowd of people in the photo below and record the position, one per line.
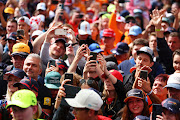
(90, 59)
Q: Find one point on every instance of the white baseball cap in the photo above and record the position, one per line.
(174, 81)
(84, 28)
(24, 19)
(86, 98)
(120, 19)
(41, 6)
(37, 32)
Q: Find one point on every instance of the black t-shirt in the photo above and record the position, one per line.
(44, 97)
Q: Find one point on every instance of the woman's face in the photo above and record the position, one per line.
(136, 105)
(11, 80)
(108, 85)
(94, 31)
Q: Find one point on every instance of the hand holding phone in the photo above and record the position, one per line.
(157, 110)
(52, 62)
(69, 76)
(144, 74)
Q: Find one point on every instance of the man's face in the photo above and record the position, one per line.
(32, 67)
(174, 93)
(133, 37)
(105, 23)
(23, 26)
(135, 49)
(23, 113)
(173, 43)
(164, 25)
(176, 63)
(158, 88)
(18, 61)
(83, 37)
(129, 24)
(153, 42)
(11, 81)
(143, 59)
(56, 50)
(11, 27)
(108, 42)
(80, 114)
(10, 44)
(168, 115)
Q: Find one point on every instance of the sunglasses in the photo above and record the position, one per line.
(89, 82)
(132, 21)
(72, 44)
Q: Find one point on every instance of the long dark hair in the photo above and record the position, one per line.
(128, 115)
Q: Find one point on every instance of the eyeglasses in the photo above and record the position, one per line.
(68, 44)
(132, 21)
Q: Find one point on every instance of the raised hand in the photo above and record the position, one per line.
(156, 18)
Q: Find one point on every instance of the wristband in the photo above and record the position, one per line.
(105, 76)
(157, 30)
(150, 92)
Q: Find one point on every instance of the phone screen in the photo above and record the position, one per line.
(144, 74)
(94, 55)
(52, 62)
(69, 76)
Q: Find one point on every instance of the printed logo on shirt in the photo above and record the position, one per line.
(47, 101)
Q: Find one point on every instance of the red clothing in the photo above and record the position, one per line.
(75, 27)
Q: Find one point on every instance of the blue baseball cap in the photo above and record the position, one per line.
(15, 72)
(165, 19)
(147, 51)
(141, 117)
(94, 47)
(172, 105)
(135, 11)
(121, 48)
(135, 30)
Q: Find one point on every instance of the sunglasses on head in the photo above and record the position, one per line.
(130, 21)
(72, 44)
(89, 82)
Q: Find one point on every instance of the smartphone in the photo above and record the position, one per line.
(71, 92)
(60, 32)
(157, 110)
(144, 74)
(20, 33)
(54, 2)
(69, 76)
(61, 6)
(52, 62)
(81, 15)
(94, 55)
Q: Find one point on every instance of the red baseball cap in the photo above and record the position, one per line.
(108, 33)
(117, 74)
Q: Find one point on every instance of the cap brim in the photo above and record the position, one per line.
(173, 85)
(125, 100)
(73, 103)
(82, 32)
(133, 33)
(51, 86)
(97, 51)
(17, 103)
(22, 54)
